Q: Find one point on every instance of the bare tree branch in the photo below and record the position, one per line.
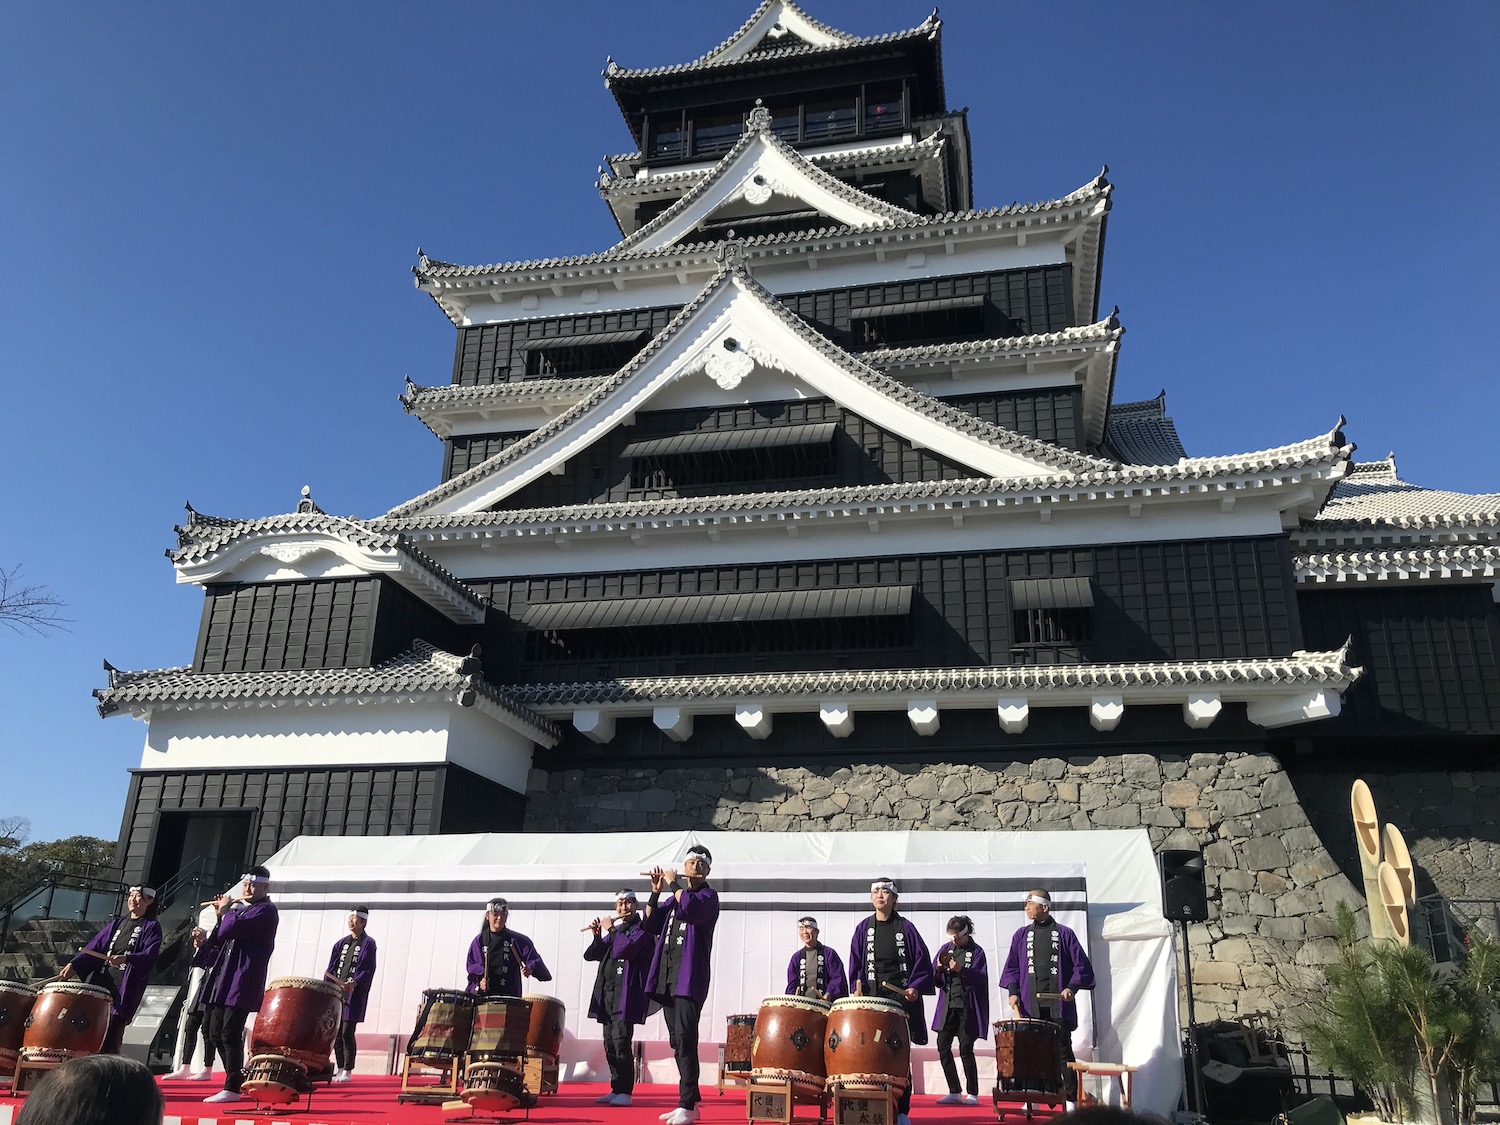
(29, 609)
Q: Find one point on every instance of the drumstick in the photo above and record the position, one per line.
(896, 988)
(94, 953)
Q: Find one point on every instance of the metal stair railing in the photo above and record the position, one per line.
(67, 891)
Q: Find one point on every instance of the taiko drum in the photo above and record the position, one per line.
(16, 1000)
(544, 1030)
(868, 1045)
(789, 1043)
(67, 1021)
(298, 1019)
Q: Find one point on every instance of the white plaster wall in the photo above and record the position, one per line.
(343, 734)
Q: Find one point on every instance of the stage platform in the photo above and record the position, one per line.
(371, 1100)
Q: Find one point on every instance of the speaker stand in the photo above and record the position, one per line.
(1197, 1083)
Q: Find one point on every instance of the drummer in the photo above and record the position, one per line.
(499, 956)
(120, 957)
(623, 949)
(239, 949)
(963, 1007)
(351, 966)
(1043, 973)
(815, 970)
(889, 959)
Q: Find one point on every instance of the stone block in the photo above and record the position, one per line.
(793, 806)
(1067, 791)
(1216, 972)
(1239, 924)
(1261, 906)
(1049, 769)
(1236, 880)
(1322, 951)
(1007, 791)
(1302, 840)
(1173, 769)
(1258, 976)
(1157, 817)
(1179, 794)
(1196, 819)
(1117, 816)
(1079, 821)
(1013, 815)
(1296, 903)
(952, 787)
(1206, 761)
(824, 808)
(1221, 854)
(924, 786)
(1034, 792)
(1283, 929)
(945, 816)
(1320, 925)
(1268, 884)
(1277, 789)
(1236, 829)
(1092, 795)
(1264, 853)
(1232, 950)
(910, 811)
(982, 781)
(1281, 818)
(1141, 769)
(1232, 802)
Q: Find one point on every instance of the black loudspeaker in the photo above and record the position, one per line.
(1184, 894)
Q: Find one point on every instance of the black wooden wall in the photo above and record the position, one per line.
(329, 623)
(1431, 656)
(1181, 600)
(397, 800)
(1017, 302)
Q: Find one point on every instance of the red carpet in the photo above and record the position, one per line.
(371, 1100)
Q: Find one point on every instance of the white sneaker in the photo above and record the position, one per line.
(902, 1119)
(182, 1072)
(225, 1096)
(619, 1099)
(971, 1099)
(954, 1098)
(202, 1075)
(682, 1116)
(341, 1076)
(606, 1099)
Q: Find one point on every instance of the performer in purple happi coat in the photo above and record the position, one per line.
(120, 957)
(351, 966)
(622, 945)
(684, 928)
(239, 949)
(963, 1007)
(889, 959)
(1045, 958)
(499, 956)
(815, 970)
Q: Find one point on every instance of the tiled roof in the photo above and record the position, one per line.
(1140, 433)
(421, 672)
(614, 73)
(1320, 453)
(203, 536)
(1097, 190)
(1302, 668)
(1466, 561)
(613, 184)
(1374, 496)
(1063, 460)
(758, 131)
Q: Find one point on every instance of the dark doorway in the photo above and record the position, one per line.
(219, 841)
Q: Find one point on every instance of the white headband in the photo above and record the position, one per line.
(257, 879)
(884, 885)
(365, 914)
(148, 892)
(1039, 900)
(960, 931)
(810, 922)
(626, 895)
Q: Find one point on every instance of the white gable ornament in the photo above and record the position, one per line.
(729, 364)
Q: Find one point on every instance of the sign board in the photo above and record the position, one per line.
(156, 1005)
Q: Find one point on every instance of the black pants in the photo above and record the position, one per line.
(114, 1034)
(225, 1029)
(682, 1014)
(343, 1045)
(1070, 1076)
(619, 1039)
(196, 1026)
(953, 1028)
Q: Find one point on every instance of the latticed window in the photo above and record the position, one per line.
(1052, 620)
(918, 322)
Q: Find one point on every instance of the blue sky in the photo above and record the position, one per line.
(210, 212)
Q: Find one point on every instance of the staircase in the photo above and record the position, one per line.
(37, 949)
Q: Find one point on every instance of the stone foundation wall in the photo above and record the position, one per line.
(1272, 883)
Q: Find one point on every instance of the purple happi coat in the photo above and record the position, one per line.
(239, 951)
(508, 983)
(700, 911)
(140, 959)
(1073, 971)
(357, 998)
(976, 980)
(633, 946)
(831, 980)
(918, 973)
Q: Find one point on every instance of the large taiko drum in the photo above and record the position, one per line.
(445, 1023)
(501, 1024)
(494, 1087)
(739, 1041)
(544, 1029)
(868, 1045)
(67, 1021)
(788, 1044)
(1029, 1056)
(298, 1019)
(274, 1080)
(16, 1000)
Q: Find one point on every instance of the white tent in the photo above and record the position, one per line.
(426, 896)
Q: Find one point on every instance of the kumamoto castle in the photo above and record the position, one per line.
(814, 504)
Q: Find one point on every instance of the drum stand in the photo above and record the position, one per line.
(1028, 1103)
(775, 1099)
(430, 1093)
(19, 1082)
(864, 1107)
